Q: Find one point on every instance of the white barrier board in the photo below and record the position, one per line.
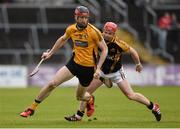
(13, 76)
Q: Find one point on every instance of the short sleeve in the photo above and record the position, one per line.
(123, 45)
(68, 31)
(96, 34)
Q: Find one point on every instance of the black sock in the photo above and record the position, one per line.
(151, 105)
(80, 113)
(37, 101)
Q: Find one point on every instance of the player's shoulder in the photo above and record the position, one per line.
(95, 29)
(122, 44)
(71, 27)
(119, 41)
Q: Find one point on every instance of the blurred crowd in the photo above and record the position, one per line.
(166, 22)
(55, 2)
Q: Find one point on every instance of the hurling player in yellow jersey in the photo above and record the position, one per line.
(112, 70)
(86, 41)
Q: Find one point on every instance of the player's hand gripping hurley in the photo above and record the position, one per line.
(36, 69)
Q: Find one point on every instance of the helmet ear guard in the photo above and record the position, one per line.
(110, 26)
(81, 11)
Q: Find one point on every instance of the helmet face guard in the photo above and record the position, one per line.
(111, 27)
(81, 11)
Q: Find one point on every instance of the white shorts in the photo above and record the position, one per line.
(115, 77)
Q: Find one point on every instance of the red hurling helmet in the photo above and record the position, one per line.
(81, 11)
(111, 26)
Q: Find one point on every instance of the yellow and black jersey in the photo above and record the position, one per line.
(113, 60)
(85, 44)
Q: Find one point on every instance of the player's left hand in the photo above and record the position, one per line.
(97, 73)
(139, 67)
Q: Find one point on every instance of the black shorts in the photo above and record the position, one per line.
(83, 73)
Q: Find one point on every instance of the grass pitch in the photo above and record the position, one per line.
(113, 109)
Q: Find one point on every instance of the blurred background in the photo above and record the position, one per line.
(29, 27)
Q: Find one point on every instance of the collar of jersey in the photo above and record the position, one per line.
(80, 29)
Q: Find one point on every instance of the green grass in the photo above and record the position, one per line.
(113, 109)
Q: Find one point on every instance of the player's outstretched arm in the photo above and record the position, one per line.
(136, 59)
(58, 44)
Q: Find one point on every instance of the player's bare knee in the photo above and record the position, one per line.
(131, 96)
(52, 84)
(87, 96)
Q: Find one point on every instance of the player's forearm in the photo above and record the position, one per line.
(58, 44)
(135, 56)
(102, 57)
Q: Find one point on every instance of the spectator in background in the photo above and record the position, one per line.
(165, 21)
(174, 34)
(163, 25)
(175, 23)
